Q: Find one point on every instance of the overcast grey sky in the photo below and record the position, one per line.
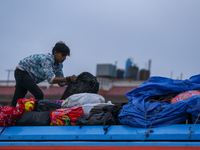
(103, 32)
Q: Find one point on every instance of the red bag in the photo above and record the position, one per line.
(24, 104)
(65, 116)
(8, 116)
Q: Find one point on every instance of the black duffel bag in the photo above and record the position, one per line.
(34, 118)
(108, 116)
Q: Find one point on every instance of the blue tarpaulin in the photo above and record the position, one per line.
(140, 112)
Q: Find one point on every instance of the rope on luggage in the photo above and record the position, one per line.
(191, 130)
(145, 120)
(147, 133)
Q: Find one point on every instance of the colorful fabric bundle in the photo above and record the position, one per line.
(184, 95)
(25, 105)
(65, 116)
(8, 116)
(58, 101)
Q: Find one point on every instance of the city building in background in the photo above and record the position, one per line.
(131, 71)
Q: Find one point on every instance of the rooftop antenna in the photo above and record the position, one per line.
(149, 67)
(171, 74)
(9, 70)
(181, 76)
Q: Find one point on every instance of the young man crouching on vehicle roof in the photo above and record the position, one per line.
(39, 67)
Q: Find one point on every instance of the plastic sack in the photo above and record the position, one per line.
(65, 116)
(81, 99)
(25, 104)
(85, 83)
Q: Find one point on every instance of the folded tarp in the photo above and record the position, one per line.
(140, 112)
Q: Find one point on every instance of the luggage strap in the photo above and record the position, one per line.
(147, 133)
(193, 126)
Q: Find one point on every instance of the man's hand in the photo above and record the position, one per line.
(66, 80)
(73, 78)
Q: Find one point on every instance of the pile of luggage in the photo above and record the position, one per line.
(79, 109)
(81, 105)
